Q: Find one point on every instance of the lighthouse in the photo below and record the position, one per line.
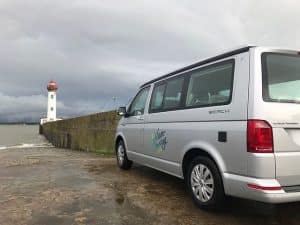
(51, 111)
(51, 108)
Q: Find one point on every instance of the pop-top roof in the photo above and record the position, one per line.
(215, 58)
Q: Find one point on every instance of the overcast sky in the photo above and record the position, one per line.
(97, 49)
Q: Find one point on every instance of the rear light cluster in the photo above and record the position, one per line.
(259, 137)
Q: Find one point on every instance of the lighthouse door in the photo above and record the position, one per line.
(133, 124)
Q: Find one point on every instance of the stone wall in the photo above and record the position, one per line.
(88, 133)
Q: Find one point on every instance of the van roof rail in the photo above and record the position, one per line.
(200, 63)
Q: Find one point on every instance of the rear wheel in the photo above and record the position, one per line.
(205, 183)
(122, 160)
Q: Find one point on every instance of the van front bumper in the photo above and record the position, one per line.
(262, 190)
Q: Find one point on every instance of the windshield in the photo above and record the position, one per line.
(281, 77)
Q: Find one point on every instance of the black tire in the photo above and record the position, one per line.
(214, 199)
(124, 163)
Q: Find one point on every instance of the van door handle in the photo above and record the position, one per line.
(140, 118)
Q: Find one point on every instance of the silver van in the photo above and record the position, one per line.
(228, 125)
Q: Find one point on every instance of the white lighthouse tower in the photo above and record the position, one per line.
(51, 112)
(51, 108)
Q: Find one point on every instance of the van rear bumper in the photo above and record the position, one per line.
(262, 190)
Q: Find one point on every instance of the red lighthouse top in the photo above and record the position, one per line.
(52, 86)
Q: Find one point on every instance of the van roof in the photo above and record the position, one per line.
(205, 61)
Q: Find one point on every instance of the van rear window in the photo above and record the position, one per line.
(281, 77)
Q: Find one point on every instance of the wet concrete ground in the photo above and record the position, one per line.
(55, 186)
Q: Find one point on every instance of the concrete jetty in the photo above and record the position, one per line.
(93, 133)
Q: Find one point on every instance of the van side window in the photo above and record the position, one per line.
(157, 97)
(137, 106)
(211, 85)
(173, 93)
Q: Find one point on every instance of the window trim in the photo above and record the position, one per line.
(150, 110)
(265, 75)
(182, 90)
(228, 61)
(187, 77)
(140, 90)
(164, 82)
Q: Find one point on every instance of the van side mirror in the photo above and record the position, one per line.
(122, 111)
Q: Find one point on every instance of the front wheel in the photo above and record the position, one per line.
(205, 183)
(122, 160)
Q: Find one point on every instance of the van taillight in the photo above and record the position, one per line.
(259, 136)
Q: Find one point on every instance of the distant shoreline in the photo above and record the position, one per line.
(19, 124)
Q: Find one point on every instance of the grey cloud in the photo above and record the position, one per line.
(100, 49)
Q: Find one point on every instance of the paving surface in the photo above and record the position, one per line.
(55, 186)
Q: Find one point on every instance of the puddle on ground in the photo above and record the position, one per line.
(45, 219)
(104, 211)
(99, 169)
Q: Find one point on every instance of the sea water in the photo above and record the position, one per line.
(21, 136)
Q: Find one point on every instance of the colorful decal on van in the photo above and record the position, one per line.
(159, 140)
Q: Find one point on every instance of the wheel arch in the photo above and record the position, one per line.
(208, 151)
(118, 138)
